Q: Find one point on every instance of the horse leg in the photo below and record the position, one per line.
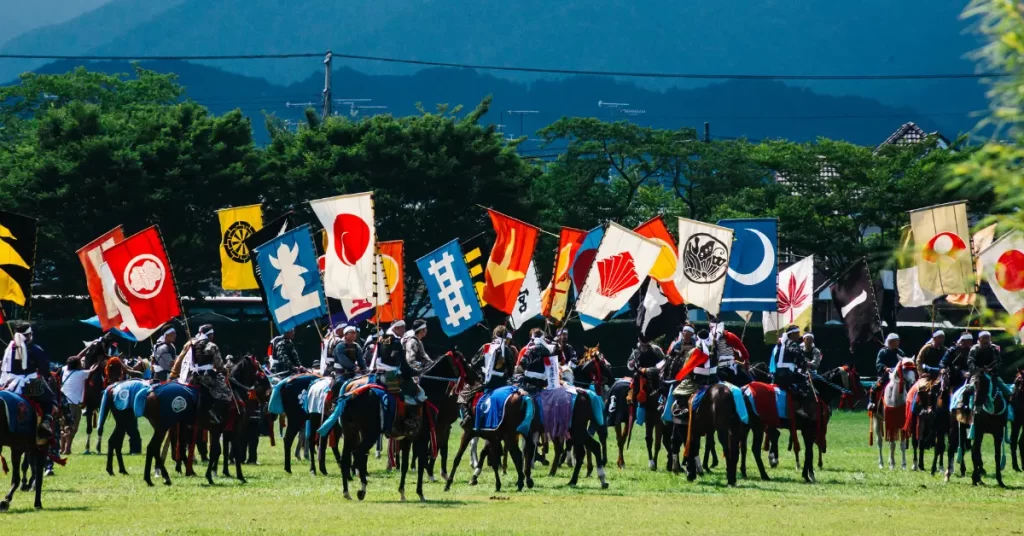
(289, 437)
(362, 455)
(903, 454)
(578, 451)
(517, 460)
(1015, 444)
(997, 441)
(976, 458)
(119, 444)
(652, 463)
(214, 455)
(346, 462)
(463, 444)
(495, 453)
(730, 441)
(114, 436)
(559, 452)
(380, 441)
(758, 434)
(154, 445)
(88, 430)
(334, 447)
(474, 458)
(403, 448)
(773, 447)
(421, 450)
(229, 449)
(808, 469)
(15, 479)
(322, 453)
(620, 440)
(443, 437)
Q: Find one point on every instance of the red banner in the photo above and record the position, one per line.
(556, 297)
(91, 257)
(143, 275)
(509, 261)
(391, 260)
(664, 269)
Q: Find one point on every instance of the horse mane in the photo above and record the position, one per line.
(114, 364)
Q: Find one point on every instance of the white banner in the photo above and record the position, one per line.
(942, 248)
(528, 303)
(623, 260)
(910, 291)
(349, 263)
(1003, 266)
(704, 251)
(795, 294)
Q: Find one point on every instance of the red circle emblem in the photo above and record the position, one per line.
(351, 238)
(1010, 270)
(943, 245)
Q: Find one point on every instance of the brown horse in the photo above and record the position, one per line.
(505, 437)
(250, 389)
(717, 415)
(987, 415)
(928, 423)
(172, 410)
(442, 381)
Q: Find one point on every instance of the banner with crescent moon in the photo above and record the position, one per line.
(750, 283)
(349, 263)
(664, 269)
(1003, 265)
(942, 248)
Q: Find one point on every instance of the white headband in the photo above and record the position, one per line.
(892, 337)
(424, 326)
(349, 329)
(809, 336)
(398, 324)
(689, 329)
(984, 334)
(939, 333)
(793, 329)
(966, 337)
(339, 327)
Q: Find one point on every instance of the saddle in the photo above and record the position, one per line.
(23, 415)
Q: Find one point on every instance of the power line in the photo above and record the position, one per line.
(541, 70)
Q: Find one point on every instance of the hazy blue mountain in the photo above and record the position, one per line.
(20, 16)
(81, 34)
(754, 109)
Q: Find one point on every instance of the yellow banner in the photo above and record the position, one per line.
(236, 225)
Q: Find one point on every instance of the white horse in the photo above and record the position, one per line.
(889, 414)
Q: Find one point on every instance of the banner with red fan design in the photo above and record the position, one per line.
(623, 260)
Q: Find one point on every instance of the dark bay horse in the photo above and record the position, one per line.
(518, 419)
(250, 389)
(716, 414)
(928, 422)
(287, 400)
(988, 416)
(586, 411)
(442, 381)
(172, 410)
(119, 401)
(20, 438)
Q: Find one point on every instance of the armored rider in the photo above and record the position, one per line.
(566, 353)
(930, 355)
(164, 353)
(348, 354)
(493, 363)
(208, 371)
(284, 356)
(24, 367)
(700, 370)
(534, 363)
(954, 361)
(416, 360)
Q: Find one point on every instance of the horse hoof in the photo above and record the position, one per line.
(242, 481)
(1001, 485)
(26, 487)
(123, 472)
(5, 506)
(448, 486)
(422, 498)
(110, 472)
(765, 478)
(690, 477)
(38, 506)
(432, 479)
(652, 466)
(287, 470)
(401, 497)
(149, 483)
(519, 486)
(473, 482)
(361, 494)
(347, 496)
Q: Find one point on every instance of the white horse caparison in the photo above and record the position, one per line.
(894, 398)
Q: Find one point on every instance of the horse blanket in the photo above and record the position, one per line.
(21, 415)
(909, 410)
(124, 395)
(555, 408)
(490, 410)
(768, 402)
(618, 406)
(178, 403)
(292, 388)
(316, 395)
(739, 401)
(356, 387)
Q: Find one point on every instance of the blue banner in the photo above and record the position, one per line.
(288, 270)
(752, 281)
(450, 287)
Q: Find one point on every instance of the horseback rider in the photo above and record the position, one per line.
(700, 370)
(493, 362)
(412, 359)
(986, 358)
(645, 363)
(790, 361)
(885, 363)
(955, 361)
(534, 367)
(164, 353)
(566, 353)
(812, 355)
(209, 373)
(284, 356)
(332, 340)
(25, 368)
(412, 341)
(347, 354)
(94, 355)
(684, 342)
(731, 367)
(930, 355)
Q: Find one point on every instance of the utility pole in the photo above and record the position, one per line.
(328, 101)
(707, 132)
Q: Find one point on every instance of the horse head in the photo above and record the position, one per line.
(252, 374)
(905, 373)
(759, 371)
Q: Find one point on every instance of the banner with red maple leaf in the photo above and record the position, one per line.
(795, 297)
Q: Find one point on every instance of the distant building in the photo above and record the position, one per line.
(909, 134)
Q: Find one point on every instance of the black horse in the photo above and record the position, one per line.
(1017, 403)
(250, 388)
(25, 448)
(287, 400)
(442, 381)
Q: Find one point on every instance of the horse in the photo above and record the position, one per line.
(117, 401)
(958, 440)
(594, 373)
(620, 415)
(319, 401)
(250, 389)
(888, 414)
(927, 421)
(847, 377)
(647, 401)
(442, 381)
(985, 414)
(715, 414)
(518, 418)
(172, 409)
(1017, 403)
(20, 437)
(567, 415)
(288, 399)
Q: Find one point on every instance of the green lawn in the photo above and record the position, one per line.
(852, 495)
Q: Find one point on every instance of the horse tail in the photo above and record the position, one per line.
(103, 410)
(528, 413)
(276, 404)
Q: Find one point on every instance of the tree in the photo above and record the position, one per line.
(91, 151)
(431, 174)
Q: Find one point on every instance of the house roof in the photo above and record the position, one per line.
(910, 133)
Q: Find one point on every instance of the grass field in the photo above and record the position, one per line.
(852, 496)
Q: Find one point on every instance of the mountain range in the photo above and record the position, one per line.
(727, 36)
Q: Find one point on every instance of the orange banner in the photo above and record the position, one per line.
(91, 257)
(509, 261)
(555, 299)
(664, 269)
(391, 261)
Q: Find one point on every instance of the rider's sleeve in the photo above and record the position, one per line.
(879, 363)
(736, 343)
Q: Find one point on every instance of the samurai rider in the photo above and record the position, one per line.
(493, 363)
(284, 357)
(24, 370)
(535, 369)
(208, 372)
